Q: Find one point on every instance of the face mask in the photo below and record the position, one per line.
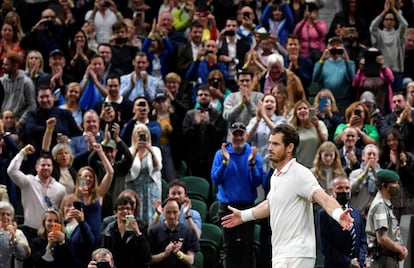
(394, 190)
(343, 198)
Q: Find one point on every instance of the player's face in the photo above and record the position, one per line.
(277, 150)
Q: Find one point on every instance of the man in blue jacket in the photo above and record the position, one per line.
(237, 171)
(342, 248)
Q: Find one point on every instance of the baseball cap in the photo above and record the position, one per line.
(335, 39)
(110, 144)
(160, 96)
(367, 96)
(238, 126)
(55, 52)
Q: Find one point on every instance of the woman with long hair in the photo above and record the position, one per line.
(144, 177)
(312, 132)
(218, 90)
(34, 66)
(49, 248)
(327, 165)
(79, 54)
(260, 126)
(9, 42)
(283, 106)
(327, 111)
(78, 232)
(394, 156)
(91, 193)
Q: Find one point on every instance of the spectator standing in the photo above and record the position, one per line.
(172, 243)
(144, 176)
(19, 92)
(39, 192)
(139, 83)
(335, 71)
(127, 238)
(204, 130)
(363, 180)
(241, 106)
(237, 170)
(312, 133)
(390, 40)
(103, 15)
(342, 249)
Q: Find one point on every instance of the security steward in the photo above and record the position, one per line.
(385, 245)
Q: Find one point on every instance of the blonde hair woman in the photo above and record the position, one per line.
(327, 165)
(144, 177)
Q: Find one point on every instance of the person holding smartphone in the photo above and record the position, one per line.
(144, 176)
(358, 116)
(78, 232)
(335, 60)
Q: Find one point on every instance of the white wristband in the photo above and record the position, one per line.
(336, 214)
(247, 215)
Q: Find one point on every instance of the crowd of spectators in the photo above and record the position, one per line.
(102, 100)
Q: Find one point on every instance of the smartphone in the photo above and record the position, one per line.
(357, 112)
(121, 40)
(57, 227)
(107, 104)
(322, 103)
(106, 4)
(77, 205)
(336, 51)
(102, 264)
(311, 114)
(129, 219)
(352, 31)
(246, 14)
(142, 137)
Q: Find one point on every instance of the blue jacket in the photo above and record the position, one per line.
(81, 244)
(285, 26)
(237, 181)
(335, 243)
(166, 53)
(201, 69)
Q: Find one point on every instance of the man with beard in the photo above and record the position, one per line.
(203, 129)
(384, 238)
(401, 118)
(293, 189)
(346, 249)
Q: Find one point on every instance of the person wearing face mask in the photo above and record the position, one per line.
(342, 248)
(385, 245)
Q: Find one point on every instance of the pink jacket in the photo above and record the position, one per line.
(311, 36)
(385, 74)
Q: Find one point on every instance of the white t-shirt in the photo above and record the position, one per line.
(291, 213)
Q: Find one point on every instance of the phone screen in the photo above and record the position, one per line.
(311, 113)
(322, 103)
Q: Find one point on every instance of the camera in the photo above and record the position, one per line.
(48, 23)
(106, 4)
(357, 112)
(263, 36)
(102, 264)
(336, 51)
(206, 52)
(215, 83)
(246, 14)
(229, 33)
(142, 137)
